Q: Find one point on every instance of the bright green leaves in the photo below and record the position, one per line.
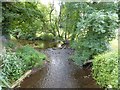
(30, 58)
(14, 65)
(21, 19)
(95, 29)
(105, 69)
(29, 20)
(69, 19)
(98, 21)
(11, 66)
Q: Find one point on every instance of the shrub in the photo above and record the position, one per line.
(15, 64)
(11, 67)
(31, 57)
(105, 69)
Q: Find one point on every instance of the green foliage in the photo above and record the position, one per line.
(15, 64)
(119, 11)
(69, 18)
(94, 31)
(105, 69)
(3, 82)
(31, 58)
(90, 26)
(11, 67)
(24, 20)
(47, 37)
(9, 45)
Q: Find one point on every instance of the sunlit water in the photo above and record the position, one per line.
(60, 73)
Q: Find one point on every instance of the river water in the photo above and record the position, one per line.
(60, 72)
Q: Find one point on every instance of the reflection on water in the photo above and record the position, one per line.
(60, 73)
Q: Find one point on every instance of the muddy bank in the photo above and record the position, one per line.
(60, 73)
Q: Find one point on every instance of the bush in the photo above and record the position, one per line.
(11, 67)
(31, 58)
(15, 64)
(105, 69)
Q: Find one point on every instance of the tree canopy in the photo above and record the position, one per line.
(89, 26)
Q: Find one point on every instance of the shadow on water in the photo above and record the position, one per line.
(60, 73)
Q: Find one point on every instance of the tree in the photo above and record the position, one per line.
(69, 19)
(89, 26)
(95, 29)
(23, 19)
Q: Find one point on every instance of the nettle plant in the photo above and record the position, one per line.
(95, 30)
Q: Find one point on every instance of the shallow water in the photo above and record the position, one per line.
(60, 73)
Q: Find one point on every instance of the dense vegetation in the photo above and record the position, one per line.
(15, 64)
(24, 20)
(105, 69)
(94, 31)
(89, 27)
(92, 28)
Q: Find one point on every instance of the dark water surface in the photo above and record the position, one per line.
(60, 73)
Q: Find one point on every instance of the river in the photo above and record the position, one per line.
(60, 72)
